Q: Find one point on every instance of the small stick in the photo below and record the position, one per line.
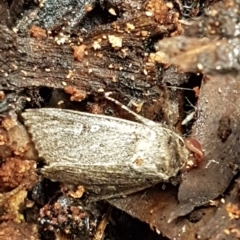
(102, 225)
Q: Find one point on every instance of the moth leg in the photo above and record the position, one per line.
(191, 115)
(139, 118)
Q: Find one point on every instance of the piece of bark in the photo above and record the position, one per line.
(94, 63)
(154, 207)
(78, 17)
(225, 222)
(28, 62)
(57, 14)
(101, 65)
(209, 45)
(44, 63)
(219, 20)
(217, 130)
(201, 55)
(4, 13)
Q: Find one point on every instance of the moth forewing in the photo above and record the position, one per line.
(109, 156)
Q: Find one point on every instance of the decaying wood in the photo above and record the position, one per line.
(117, 57)
(30, 62)
(216, 51)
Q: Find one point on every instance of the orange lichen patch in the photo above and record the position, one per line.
(138, 162)
(159, 9)
(114, 78)
(16, 171)
(197, 91)
(3, 137)
(159, 57)
(233, 210)
(191, 163)
(144, 33)
(99, 55)
(130, 27)
(102, 225)
(37, 32)
(96, 44)
(21, 150)
(12, 140)
(88, 7)
(2, 95)
(19, 143)
(14, 204)
(76, 94)
(15, 231)
(138, 106)
(78, 193)
(116, 42)
(236, 232)
(8, 122)
(233, 230)
(79, 52)
(95, 108)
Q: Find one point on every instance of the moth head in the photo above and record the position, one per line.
(181, 152)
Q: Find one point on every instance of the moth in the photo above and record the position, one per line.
(107, 155)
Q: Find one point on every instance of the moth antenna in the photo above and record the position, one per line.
(139, 118)
(180, 88)
(190, 103)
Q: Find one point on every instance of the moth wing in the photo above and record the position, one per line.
(105, 154)
(99, 186)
